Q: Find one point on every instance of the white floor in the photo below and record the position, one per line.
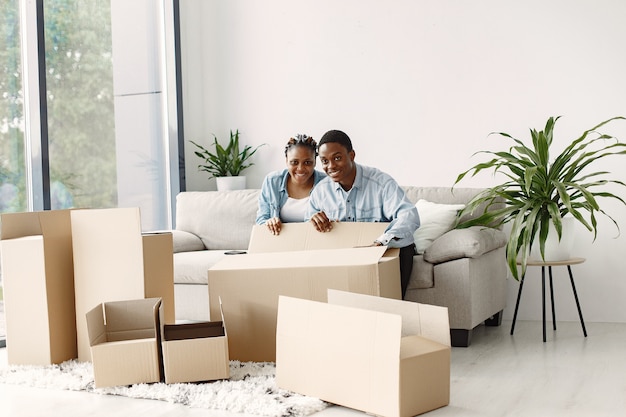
(498, 375)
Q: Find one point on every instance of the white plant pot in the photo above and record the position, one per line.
(556, 250)
(231, 183)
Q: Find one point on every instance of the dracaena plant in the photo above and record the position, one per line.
(542, 188)
(225, 161)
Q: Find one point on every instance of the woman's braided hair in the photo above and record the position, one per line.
(302, 140)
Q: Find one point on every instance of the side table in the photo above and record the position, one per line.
(550, 264)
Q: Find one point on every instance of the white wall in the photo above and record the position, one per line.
(418, 86)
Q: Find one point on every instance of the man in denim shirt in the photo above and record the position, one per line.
(357, 193)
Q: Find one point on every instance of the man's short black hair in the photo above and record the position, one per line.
(336, 136)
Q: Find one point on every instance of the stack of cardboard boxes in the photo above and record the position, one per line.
(63, 269)
(324, 306)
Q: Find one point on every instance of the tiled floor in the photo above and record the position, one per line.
(498, 375)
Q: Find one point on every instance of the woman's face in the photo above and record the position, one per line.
(300, 163)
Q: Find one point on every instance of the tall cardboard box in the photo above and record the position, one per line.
(38, 280)
(298, 265)
(385, 357)
(114, 261)
(194, 352)
(124, 338)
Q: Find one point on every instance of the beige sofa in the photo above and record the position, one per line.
(464, 270)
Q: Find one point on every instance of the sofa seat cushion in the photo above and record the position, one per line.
(422, 275)
(192, 267)
(464, 243)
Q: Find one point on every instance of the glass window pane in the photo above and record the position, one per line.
(12, 161)
(81, 130)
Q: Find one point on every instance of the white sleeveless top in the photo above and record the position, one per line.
(293, 210)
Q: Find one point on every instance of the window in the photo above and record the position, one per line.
(87, 142)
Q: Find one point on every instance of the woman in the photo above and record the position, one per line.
(285, 194)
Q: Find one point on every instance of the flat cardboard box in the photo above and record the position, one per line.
(384, 357)
(114, 261)
(249, 285)
(304, 236)
(38, 281)
(194, 352)
(124, 338)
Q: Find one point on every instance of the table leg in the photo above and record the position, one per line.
(580, 313)
(519, 295)
(552, 298)
(543, 300)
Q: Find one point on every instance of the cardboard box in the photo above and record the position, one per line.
(38, 281)
(249, 285)
(384, 357)
(195, 352)
(124, 338)
(113, 261)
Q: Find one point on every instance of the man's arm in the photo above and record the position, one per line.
(315, 214)
(405, 218)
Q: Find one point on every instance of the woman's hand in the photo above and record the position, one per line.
(274, 225)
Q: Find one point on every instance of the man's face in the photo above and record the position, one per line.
(338, 163)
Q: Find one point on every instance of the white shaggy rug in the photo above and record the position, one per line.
(251, 388)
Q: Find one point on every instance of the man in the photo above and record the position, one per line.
(357, 193)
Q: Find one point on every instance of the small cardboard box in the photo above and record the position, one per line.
(38, 281)
(384, 357)
(124, 338)
(298, 266)
(114, 261)
(195, 352)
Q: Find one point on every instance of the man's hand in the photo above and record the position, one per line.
(321, 222)
(274, 225)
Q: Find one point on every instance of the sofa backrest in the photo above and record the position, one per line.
(222, 219)
(447, 195)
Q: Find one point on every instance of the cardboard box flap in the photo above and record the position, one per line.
(132, 319)
(96, 328)
(303, 236)
(303, 259)
(424, 320)
(310, 327)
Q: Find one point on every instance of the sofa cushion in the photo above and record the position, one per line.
(221, 219)
(193, 267)
(464, 243)
(422, 275)
(186, 242)
(435, 220)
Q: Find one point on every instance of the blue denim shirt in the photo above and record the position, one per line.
(274, 194)
(375, 197)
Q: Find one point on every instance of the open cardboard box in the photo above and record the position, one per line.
(38, 281)
(124, 338)
(300, 262)
(194, 352)
(384, 357)
(114, 261)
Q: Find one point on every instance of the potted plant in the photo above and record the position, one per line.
(227, 161)
(540, 189)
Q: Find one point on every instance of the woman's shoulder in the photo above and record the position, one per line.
(319, 176)
(276, 175)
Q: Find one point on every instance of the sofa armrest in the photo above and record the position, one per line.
(186, 241)
(464, 243)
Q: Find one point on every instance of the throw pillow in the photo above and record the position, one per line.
(435, 220)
